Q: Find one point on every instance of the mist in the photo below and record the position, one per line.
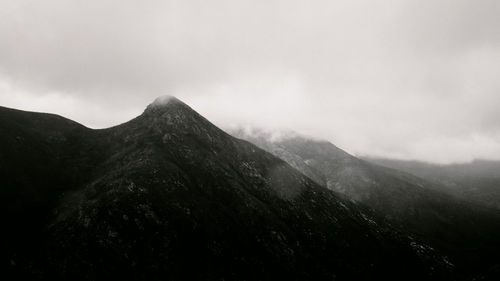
(399, 79)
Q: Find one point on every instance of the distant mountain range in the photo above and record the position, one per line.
(169, 196)
(467, 232)
(477, 181)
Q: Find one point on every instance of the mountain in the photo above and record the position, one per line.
(477, 181)
(169, 196)
(467, 233)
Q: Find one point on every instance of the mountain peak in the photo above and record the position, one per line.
(166, 112)
(163, 102)
(168, 105)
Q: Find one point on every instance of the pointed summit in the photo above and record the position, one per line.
(164, 102)
(169, 114)
(165, 106)
(169, 110)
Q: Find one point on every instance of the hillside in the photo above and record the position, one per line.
(466, 232)
(168, 195)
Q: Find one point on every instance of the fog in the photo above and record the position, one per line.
(407, 79)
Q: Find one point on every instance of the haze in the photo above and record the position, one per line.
(407, 79)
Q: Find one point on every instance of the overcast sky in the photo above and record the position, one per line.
(410, 79)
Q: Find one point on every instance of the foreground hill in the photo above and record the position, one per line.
(169, 196)
(468, 233)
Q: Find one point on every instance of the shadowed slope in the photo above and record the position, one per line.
(170, 196)
(468, 233)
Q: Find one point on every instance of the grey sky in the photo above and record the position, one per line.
(410, 79)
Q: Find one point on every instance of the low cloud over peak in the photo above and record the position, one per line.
(408, 79)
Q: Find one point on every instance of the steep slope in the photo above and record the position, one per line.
(170, 196)
(477, 181)
(271, 143)
(468, 233)
(40, 158)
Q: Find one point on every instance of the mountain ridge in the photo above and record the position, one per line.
(477, 181)
(446, 222)
(168, 191)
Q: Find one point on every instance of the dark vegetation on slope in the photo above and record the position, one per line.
(168, 196)
(466, 232)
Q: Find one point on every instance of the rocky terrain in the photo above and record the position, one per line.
(465, 231)
(169, 196)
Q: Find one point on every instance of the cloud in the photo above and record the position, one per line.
(374, 77)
